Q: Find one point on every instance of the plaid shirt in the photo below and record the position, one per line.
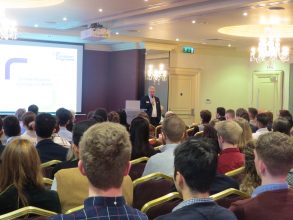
(104, 208)
(191, 202)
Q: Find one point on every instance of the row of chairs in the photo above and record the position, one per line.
(190, 131)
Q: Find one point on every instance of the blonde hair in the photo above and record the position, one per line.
(230, 131)
(246, 134)
(21, 167)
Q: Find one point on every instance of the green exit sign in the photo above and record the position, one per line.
(188, 50)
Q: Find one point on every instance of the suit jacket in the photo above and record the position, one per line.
(48, 150)
(145, 103)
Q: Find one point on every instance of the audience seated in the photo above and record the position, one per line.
(2, 147)
(29, 124)
(220, 114)
(113, 117)
(246, 135)
(286, 114)
(205, 116)
(243, 113)
(282, 125)
(173, 132)
(270, 120)
(123, 119)
(48, 150)
(261, 122)
(252, 112)
(33, 108)
(100, 115)
(21, 181)
(230, 114)
(64, 117)
(139, 137)
(104, 159)
(152, 128)
(230, 158)
(195, 165)
(211, 133)
(19, 114)
(11, 128)
(273, 199)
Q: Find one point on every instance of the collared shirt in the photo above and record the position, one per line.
(64, 133)
(230, 159)
(154, 106)
(269, 187)
(104, 208)
(162, 162)
(259, 132)
(191, 202)
(290, 177)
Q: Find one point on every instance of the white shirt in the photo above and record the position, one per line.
(30, 135)
(259, 132)
(64, 133)
(154, 105)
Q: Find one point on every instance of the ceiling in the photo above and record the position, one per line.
(188, 21)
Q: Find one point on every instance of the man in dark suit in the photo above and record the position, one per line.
(152, 105)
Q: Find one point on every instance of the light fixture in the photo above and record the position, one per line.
(100, 10)
(177, 39)
(117, 33)
(156, 75)
(229, 45)
(245, 14)
(8, 28)
(36, 25)
(151, 28)
(64, 18)
(193, 21)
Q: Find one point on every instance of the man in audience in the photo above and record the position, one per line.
(173, 131)
(1, 133)
(282, 125)
(230, 114)
(273, 199)
(252, 112)
(221, 114)
(195, 169)
(34, 109)
(11, 127)
(48, 150)
(64, 117)
(104, 159)
(230, 158)
(205, 116)
(19, 114)
(261, 122)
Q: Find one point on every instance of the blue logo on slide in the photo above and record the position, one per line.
(10, 62)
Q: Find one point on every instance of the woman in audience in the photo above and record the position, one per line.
(211, 133)
(28, 122)
(250, 180)
(271, 119)
(113, 117)
(139, 136)
(21, 180)
(247, 133)
(123, 119)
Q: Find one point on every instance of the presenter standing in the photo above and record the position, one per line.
(152, 106)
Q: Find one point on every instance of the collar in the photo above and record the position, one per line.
(104, 201)
(169, 147)
(63, 128)
(46, 140)
(269, 187)
(230, 150)
(262, 129)
(191, 202)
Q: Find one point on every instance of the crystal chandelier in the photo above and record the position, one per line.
(156, 75)
(8, 28)
(269, 50)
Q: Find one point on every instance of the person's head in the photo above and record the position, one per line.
(221, 113)
(28, 120)
(242, 113)
(286, 114)
(20, 166)
(252, 112)
(246, 135)
(205, 116)
(34, 109)
(144, 115)
(44, 125)
(195, 165)
(19, 113)
(123, 117)
(169, 113)
(229, 132)
(270, 117)
(274, 156)
(262, 120)
(63, 117)
(282, 125)
(152, 91)
(230, 114)
(173, 129)
(90, 114)
(101, 115)
(11, 126)
(105, 151)
(113, 117)
(211, 133)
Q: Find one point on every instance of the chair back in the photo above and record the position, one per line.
(137, 167)
(158, 131)
(154, 142)
(236, 174)
(192, 131)
(48, 167)
(27, 212)
(199, 134)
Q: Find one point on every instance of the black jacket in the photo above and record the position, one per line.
(48, 150)
(145, 103)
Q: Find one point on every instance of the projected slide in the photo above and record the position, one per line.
(48, 75)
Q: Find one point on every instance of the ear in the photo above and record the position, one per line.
(220, 139)
(81, 167)
(126, 172)
(180, 181)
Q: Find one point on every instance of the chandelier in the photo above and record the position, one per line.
(156, 75)
(8, 28)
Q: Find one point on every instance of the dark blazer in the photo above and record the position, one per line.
(48, 150)
(41, 198)
(200, 211)
(145, 103)
(2, 147)
(64, 165)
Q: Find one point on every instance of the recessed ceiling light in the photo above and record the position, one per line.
(262, 5)
(229, 45)
(245, 13)
(177, 39)
(36, 25)
(117, 33)
(100, 10)
(193, 21)
(146, 0)
(151, 28)
(64, 18)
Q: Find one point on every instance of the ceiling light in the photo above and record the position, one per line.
(100, 10)
(29, 3)
(151, 28)
(36, 25)
(146, 0)
(245, 13)
(194, 21)
(262, 5)
(156, 75)
(117, 33)
(64, 18)
(229, 45)
(177, 39)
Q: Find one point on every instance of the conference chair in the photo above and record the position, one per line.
(158, 131)
(228, 196)
(47, 182)
(198, 134)
(162, 205)
(48, 167)
(27, 212)
(74, 209)
(137, 167)
(236, 174)
(151, 187)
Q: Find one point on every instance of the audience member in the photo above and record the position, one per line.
(273, 199)
(21, 180)
(230, 158)
(270, 120)
(2, 147)
(123, 119)
(211, 133)
(64, 117)
(261, 122)
(139, 137)
(113, 117)
(151, 127)
(205, 116)
(282, 125)
(100, 115)
(104, 159)
(48, 150)
(11, 127)
(286, 114)
(29, 125)
(33, 108)
(173, 132)
(221, 114)
(230, 114)
(90, 115)
(195, 167)
(246, 135)
(19, 114)
(214, 122)
(252, 112)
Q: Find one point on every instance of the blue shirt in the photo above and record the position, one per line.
(191, 202)
(104, 208)
(269, 187)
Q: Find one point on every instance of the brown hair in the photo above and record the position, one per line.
(174, 128)
(276, 151)
(113, 117)
(28, 118)
(230, 131)
(246, 134)
(21, 167)
(105, 151)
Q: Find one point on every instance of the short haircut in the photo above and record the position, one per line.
(105, 150)
(231, 112)
(28, 118)
(79, 129)
(230, 131)
(11, 126)
(196, 161)
(205, 116)
(63, 116)
(34, 109)
(113, 117)
(174, 127)
(263, 119)
(221, 111)
(19, 113)
(253, 112)
(44, 125)
(101, 113)
(276, 151)
(282, 125)
(242, 113)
